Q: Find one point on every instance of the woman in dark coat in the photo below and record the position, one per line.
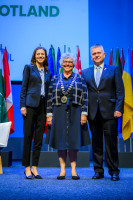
(36, 79)
(67, 110)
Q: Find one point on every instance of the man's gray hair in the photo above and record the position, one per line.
(96, 46)
(67, 55)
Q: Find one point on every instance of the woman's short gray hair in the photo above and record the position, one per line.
(67, 55)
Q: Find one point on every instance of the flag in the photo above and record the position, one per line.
(132, 67)
(2, 84)
(8, 92)
(122, 60)
(69, 50)
(52, 67)
(111, 60)
(58, 66)
(78, 63)
(53, 56)
(50, 62)
(127, 123)
(3, 112)
(46, 128)
(132, 57)
(118, 63)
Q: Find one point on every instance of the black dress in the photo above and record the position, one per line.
(66, 131)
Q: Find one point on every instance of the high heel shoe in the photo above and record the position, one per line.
(37, 176)
(76, 177)
(60, 177)
(28, 177)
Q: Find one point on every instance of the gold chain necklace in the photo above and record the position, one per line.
(65, 93)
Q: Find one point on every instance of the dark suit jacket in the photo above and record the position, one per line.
(109, 95)
(31, 86)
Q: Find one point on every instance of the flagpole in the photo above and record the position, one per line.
(131, 144)
(0, 47)
(125, 149)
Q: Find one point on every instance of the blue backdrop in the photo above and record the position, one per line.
(110, 24)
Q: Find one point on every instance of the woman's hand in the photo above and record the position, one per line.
(49, 120)
(83, 119)
(24, 111)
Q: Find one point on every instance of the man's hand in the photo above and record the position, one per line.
(24, 111)
(117, 114)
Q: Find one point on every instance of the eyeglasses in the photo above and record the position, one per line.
(65, 61)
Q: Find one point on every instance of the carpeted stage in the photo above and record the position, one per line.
(13, 185)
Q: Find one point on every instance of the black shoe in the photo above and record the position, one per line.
(28, 177)
(37, 176)
(75, 177)
(60, 177)
(97, 176)
(115, 177)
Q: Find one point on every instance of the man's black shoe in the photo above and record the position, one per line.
(97, 176)
(115, 177)
(75, 177)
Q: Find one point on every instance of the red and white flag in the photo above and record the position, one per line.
(111, 60)
(78, 64)
(8, 92)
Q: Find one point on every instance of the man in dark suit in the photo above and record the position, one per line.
(105, 106)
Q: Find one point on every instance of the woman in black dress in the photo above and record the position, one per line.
(67, 110)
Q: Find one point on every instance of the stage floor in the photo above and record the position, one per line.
(13, 185)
